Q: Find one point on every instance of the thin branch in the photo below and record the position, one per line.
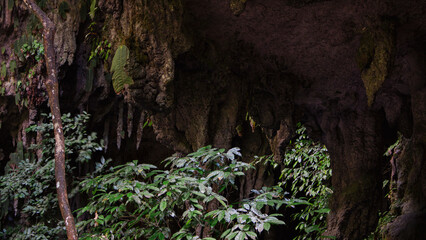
(53, 93)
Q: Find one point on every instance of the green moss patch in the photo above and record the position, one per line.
(375, 57)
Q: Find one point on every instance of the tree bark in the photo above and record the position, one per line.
(53, 93)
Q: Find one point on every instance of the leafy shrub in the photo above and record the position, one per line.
(307, 173)
(27, 190)
(139, 200)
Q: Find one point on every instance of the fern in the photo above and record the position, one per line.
(119, 74)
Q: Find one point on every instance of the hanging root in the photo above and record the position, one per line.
(129, 119)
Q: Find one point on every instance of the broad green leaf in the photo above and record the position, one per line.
(240, 236)
(275, 221)
(267, 226)
(252, 235)
(225, 233)
(163, 204)
(231, 235)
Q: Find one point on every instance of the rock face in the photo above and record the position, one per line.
(352, 71)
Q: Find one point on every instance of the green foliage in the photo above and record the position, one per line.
(138, 200)
(92, 10)
(384, 219)
(394, 208)
(35, 49)
(78, 142)
(27, 190)
(28, 47)
(29, 53)
(37, 231)
(307, 173)
(119, 74)
(396, 146)
(102, 50)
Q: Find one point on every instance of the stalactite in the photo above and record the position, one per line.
(120, 125)
(13, 140)
(19, 136)
(39, 139)
(8, 13)
(129, 120)
(15, 206)
(106, 134)
(24, 139)
(140, 130)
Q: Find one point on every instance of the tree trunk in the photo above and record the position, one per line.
(53, 93)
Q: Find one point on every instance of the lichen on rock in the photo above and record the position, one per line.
(237, 6)
(374, 57)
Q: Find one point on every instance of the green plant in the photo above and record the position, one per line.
(27, 190)
(306, 174)
(78, 143)
(26, 44)
(120, 78)
(35, 49)
(393, 211)
(92, 10)
(384, 219)
(29, 52)
(138, 200)
(102, 50)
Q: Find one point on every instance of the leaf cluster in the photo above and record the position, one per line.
(28, 48)
(27, 190)
(306, 174)
(138, 200)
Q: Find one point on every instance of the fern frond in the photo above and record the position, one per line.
(119, 74)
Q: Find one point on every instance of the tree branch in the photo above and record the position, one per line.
(53, 93)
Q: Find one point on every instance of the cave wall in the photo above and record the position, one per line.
(352, 71)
